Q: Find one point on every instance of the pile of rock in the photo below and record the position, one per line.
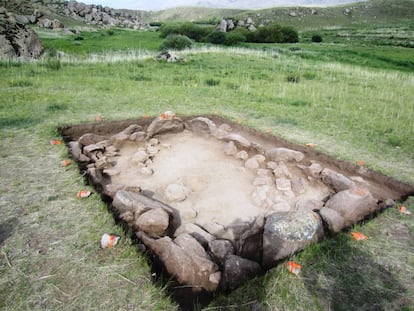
(16, 40)
(102, 16)
(98, 15)
(215, 256)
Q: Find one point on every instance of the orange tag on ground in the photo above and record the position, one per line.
(82, 194)
(109, 240)
(360, 163)
(99, 118)
(66, 162)
(404, 210)
(56, 142)
(358, 236)
(311, 145)
(293, 267)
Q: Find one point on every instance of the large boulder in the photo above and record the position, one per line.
(237, 270)
(136, 203)
(165, 123)
(201, 125)
(221, 250)
(337, 181)
(16, 40)
(185, 259)
(286, 233)
(284, 154)
(155, 222)
(348, 207)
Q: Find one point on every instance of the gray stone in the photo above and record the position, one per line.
(347, 207)
(336, 180)
(299, 185)
(308, 205)
(176, 193)
(136, 203)
(221, 250)
(284, 154)
(186, 261)
(165, 125)
(242, 155)
(239, 140)
(201, 125)
(252, 164)
(314, 170)
(154, 222)
(286, 233)
(237, 270)
(280, 169)
(202, 236)
(139, 157)
(16, 40)
(283, 184)
(111, 189)
(230, 149)
(91, 139)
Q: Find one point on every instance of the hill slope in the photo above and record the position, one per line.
(373, 12)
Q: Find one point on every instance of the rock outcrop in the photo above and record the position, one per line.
(98, 15)
(16, 40)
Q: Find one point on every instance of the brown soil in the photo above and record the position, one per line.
(217, 180)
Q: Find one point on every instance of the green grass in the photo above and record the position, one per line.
(101, 41)
(352, 109)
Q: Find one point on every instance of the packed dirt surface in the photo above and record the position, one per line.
(219, 186)
(217, 202)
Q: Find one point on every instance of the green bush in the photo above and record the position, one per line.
(212, 82)
(176, 42)
(273, 33)
(234, 38)
(290, 35)
(216, 37)
(316, 38)
(192, 31)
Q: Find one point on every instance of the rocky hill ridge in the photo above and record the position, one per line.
(30, 12)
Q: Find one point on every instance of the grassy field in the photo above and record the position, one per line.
(354, 109)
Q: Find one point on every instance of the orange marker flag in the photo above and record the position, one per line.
(310, 145)
(55, 142)
(66, 162)
(360, 163)
(358, 236)
(293, 267)
(109, 240)
(404, 210)
(82, 194)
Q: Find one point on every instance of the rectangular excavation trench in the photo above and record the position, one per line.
(216, 202)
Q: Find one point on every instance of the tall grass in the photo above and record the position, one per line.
(50, 257)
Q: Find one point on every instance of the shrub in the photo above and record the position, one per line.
(290, 35)
(217, 37)
(234, 38)
(274, 33)
(292, 78)
(193, 31)
(78, 38)
(176, 42)
(316, 38)
(212, 82)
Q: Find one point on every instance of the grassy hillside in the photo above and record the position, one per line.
(372, 12)
(196, 14)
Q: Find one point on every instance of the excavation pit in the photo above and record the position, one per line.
(217, 202)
